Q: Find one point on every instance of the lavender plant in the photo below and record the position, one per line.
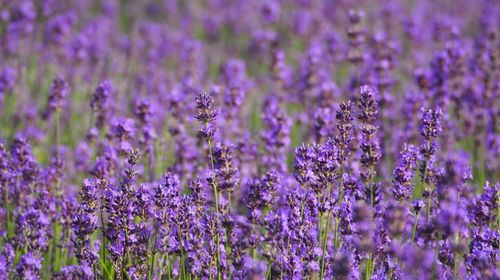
(249, 139)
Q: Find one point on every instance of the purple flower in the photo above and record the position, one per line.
(206, 114)
(276, 136)
(303, 164)
(31, 230)
(369, 145)
(7, 80)
(29, 267)
(345, 136)
(57, 97)
(483, 210)
(123, 131)
(364, 228)
(75, 272)
(85, 221)
(59, 27)
(418, 205)
(355, 34)
(6, 261)
(404, 172)
(99, 103)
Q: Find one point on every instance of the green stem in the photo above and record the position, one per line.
(152, 265)
(168, 267)
(455, 258)
(58, 130)
(336, 234)
(372, 194)
(339, 201)
(414, 228)
(103, 246)
(325, 241)
(368, 267)
(216, 195)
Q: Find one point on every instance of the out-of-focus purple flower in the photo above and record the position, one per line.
(418, 262)
(123, 131)
(59, 27)
(355, 34)
(75, 272)
(100, 103)
(7, 81)
(322, 124)
(270, 11)
(364, 227)
(276, 136)
(57, 97)
(29, 267)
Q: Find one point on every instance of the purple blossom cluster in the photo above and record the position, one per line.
(283, 139)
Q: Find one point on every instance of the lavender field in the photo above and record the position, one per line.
(258, 139)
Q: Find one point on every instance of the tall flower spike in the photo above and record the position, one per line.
(404, 172)
(364, 228)
(85, 222)
(345, 136)
(58, 92)
(100, 102)
(225, 172)
(430, 128)
(369, 145)
(206, 114)
(276, 136)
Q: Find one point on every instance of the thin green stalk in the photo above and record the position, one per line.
(58, 130)
(168, 267)
(368, 267)
(414, 228)
(10, 224)
(152, 265)
(216, 194)
(336, 234)
(325, 241)
(105, 269)
(372, 194)
(328, 219)
(339, 201)
(103, 246)
(455, 258)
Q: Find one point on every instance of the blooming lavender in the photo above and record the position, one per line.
(404, 172)
(307, 157)
(430, 128)
(86, 222)
(369, 144)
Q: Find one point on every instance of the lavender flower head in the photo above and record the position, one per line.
(123, 131)
(404, 172)
(206, 114)
(57, 97)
